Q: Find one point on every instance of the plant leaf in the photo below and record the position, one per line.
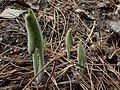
(35, 40)
(30, 33)
(80, 55)
(69, 41)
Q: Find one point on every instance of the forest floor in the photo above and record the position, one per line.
(96, 23)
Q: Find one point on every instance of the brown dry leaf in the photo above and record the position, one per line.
(11, 13)
(33, 4)
(115, 25)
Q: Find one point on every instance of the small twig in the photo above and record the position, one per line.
(114, 53)
(5, 65)
(41, 71)
(70, 82)
(54, 81)
(53, 69)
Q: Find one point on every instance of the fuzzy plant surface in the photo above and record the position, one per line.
(35, 43)
(80, 56)
(68, 42)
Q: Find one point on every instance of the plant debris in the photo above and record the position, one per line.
(95, 22)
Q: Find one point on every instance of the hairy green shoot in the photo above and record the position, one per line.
(68, 42)
(35, 43)
(80, 56)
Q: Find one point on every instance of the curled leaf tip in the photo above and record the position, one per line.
(30, 11)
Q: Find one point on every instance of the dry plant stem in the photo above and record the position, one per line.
(91, 32)
(37, 75)
(109, 79)
(70, 81)
(62, 36)
(50, 76)
(83, 86)
(82, 23)
(62, 72)
(87, 28)
(89, 73)
(57, 22)
(53, 80)
(48, 63)
(114, 53)
(6, 65)
(113, 3)
(22, 31)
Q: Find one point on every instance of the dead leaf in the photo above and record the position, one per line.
(115, 25)
(33, 4)
(11, 13)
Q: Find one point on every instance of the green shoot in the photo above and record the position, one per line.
(35, 43)
(68, 42)
(80, 55)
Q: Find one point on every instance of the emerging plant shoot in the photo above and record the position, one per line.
(68, 42)
(35, 43)
(80, 55)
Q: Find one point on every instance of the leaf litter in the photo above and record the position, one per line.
(95, 24)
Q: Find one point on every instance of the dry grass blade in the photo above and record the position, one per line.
(53, 80)
(63, 71)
